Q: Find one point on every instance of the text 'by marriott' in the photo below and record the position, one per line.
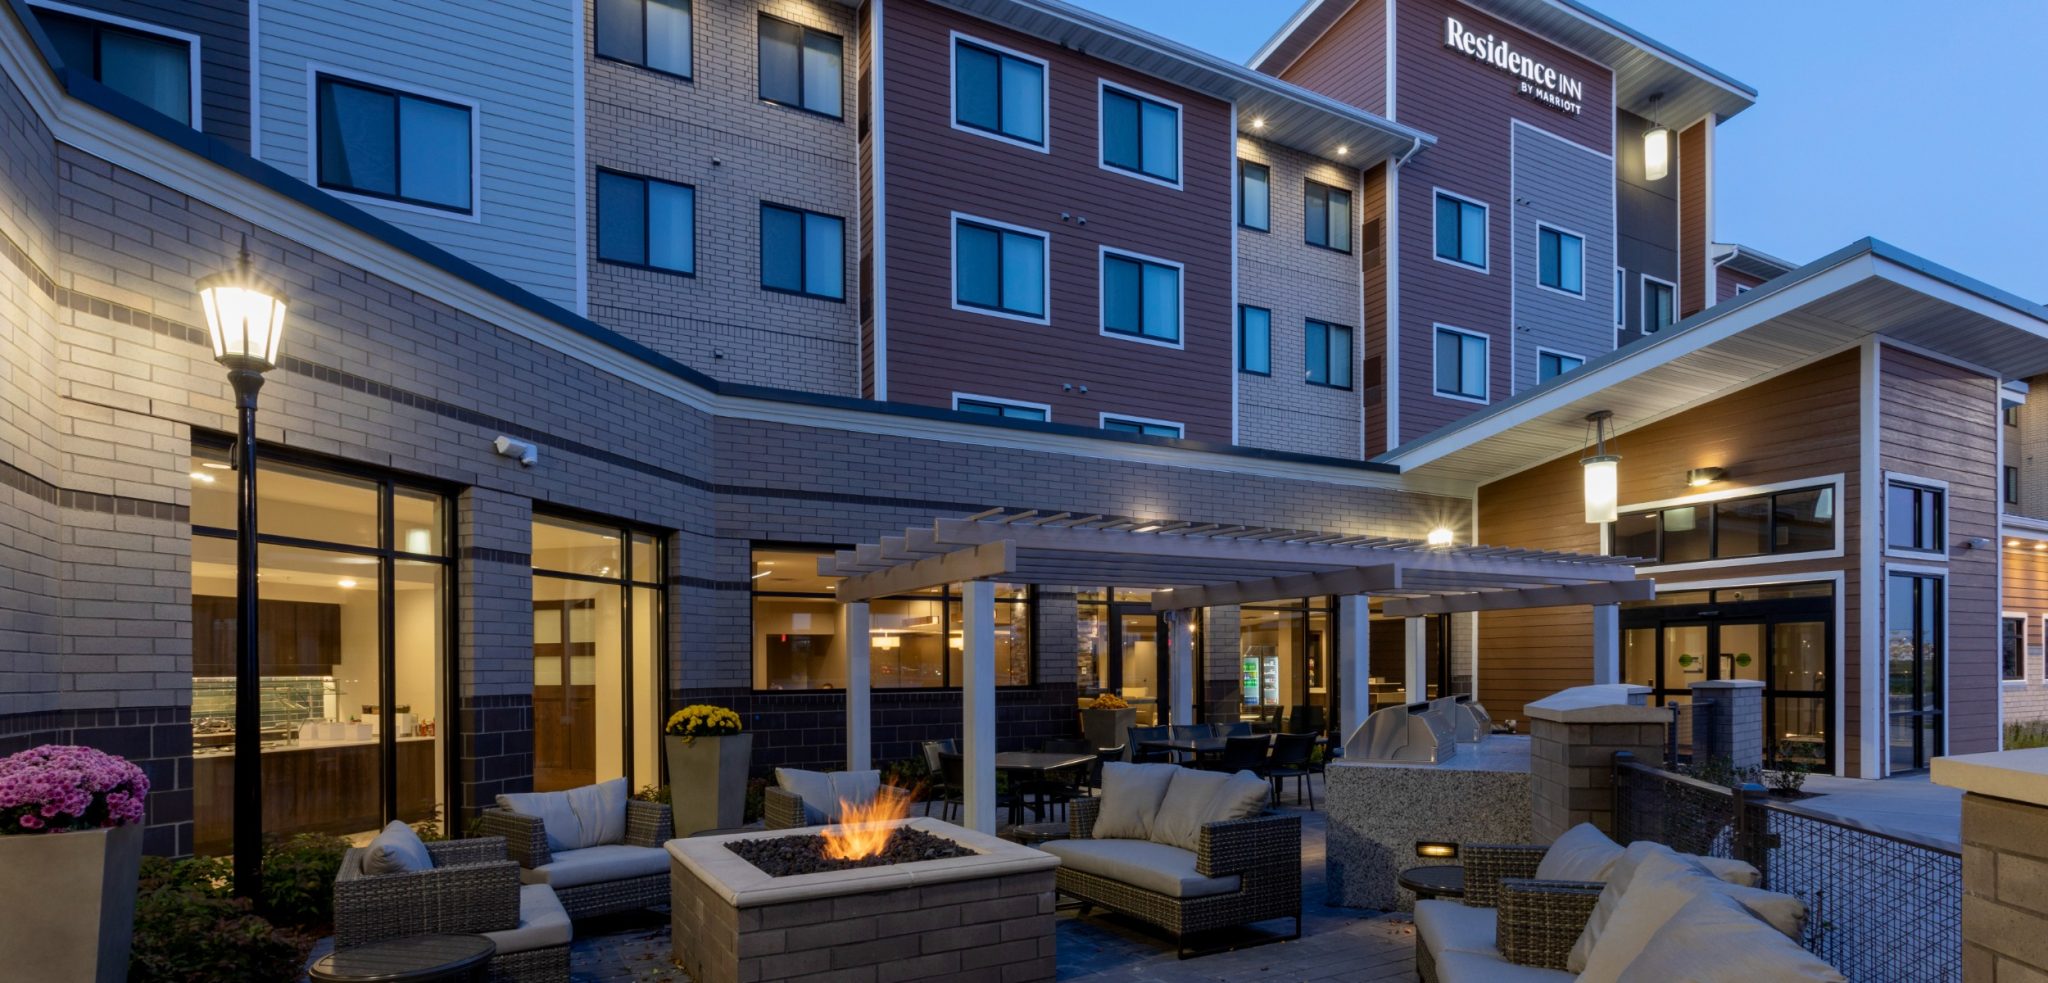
(1540, 82)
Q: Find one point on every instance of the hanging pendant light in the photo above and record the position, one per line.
(1603, 478)
(1656, 147)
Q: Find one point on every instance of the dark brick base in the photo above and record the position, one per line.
(808, 729)
(159, 739)
(496, 733)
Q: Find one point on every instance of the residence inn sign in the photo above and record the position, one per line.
(1540, 82)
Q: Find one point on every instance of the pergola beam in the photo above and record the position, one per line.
(1356, 580)
(986, 561)
(1533, 597)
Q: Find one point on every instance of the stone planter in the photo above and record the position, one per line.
(67, 904)
(707, 781)
(1108, 728)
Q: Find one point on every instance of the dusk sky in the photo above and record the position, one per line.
(1908, 122)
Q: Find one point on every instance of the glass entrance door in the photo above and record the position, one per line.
(1913, 637)
(1123, 648)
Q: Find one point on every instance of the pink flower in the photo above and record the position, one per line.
(55, 788)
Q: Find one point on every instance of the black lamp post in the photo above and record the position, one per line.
(245, 316)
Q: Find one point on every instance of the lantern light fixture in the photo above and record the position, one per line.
(1656, 146)
(244, 316)
(1603, 480)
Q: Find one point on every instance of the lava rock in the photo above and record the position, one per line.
(788, 856)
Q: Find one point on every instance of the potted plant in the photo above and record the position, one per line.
(70, 846)
(707, 768)
(1107, 722)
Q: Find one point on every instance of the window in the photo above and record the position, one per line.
(1800, 520)
(985, 406)
(802, 252)
(388, 144)
(1149, 428)
(800, 66)
(1550, 365)
(999, 269)
(1254, 196)
(1140, 298)
(1328, 217)
(914, 640)
(1255, 340)
(1916, 632)
(650, 33)
(1742, 288)
(2012, 414)
(2012, 649)
(1914, 517)
(1620, 297)
(598, 684)
(1657, 310)
(1560, 258)
(2012, 485)
(646, 222)
(150, 68)
(1460, 364)
(1140, 135)
(999, 92)
(1460, 230)
(1326, 354)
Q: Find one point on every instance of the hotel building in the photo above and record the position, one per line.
(608, 319)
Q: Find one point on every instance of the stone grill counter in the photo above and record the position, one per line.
(1379, 810)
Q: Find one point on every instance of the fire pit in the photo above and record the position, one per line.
(924, 898)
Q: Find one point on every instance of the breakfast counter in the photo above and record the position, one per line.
(310, 786)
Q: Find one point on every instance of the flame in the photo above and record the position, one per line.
(864, 828)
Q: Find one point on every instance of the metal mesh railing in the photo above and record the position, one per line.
(1881, 906)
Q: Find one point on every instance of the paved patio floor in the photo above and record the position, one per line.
(1905, 804)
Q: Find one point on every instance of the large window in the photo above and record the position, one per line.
(151, 68)
(646, 222)
(1800, 520)
(1620, 297)
(2011, 485)
(1659, 310)
(1254, 196)
(1141, 297)
(1140, 135)
(1008, 410)
(2012, 649)
(1560, 260)
(1914, 518)
(1139, 425)
(1122, 646)
(1327, 217)
(999, 92)
(1254, 340)
(1915, 639)
(1460, 230)
(1550, 365)
(803, 252)
(800, 66)
(353, 605)
(1326, 354)
(1000, 269)
(650, 33)
(914, 640)
(1284, 652)
(597, 643)
(395, 145)
(1461, 364)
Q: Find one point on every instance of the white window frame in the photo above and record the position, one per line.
(1102, 254)
(1885, 527)
(1834, 481)
(999, 401)
(1620, 298)
(143, 27)
(1942, 574)
(1742, 288)
(953, 269)
(1102, 423)
(1180, 143)
(1560, 353)
(1645, 328)
(2026, 622)
(1044, 92)
(1482, 399)
(476, 147)
(1483, 269)
(1579, 294)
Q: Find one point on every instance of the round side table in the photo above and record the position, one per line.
(413, 959)
(1032, 834)
(1441, 881)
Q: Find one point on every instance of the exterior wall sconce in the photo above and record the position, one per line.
(1656, 147)
(1436, 850)
(1698, 477)
(1603, 479)
(1441, 536)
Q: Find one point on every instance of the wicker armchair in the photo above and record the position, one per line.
(1536, 922)
(647, 825)
(472, 888)
(1263, 851)
(782, 808)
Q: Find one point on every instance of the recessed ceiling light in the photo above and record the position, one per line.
(202, 476)
(1343, 151)
(215, 465)
(345, 583)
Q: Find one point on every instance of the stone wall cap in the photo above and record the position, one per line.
(1728, 684)
(744, 885)
(2021, 776)
(1607, 703)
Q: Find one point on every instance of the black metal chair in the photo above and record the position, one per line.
(1307, 719)
(1268, 721)
(1239, 729)
(1142, 754)
(938, 788)
(1103, 755)
(951, 791)
(1244, 753)
(1290, 760)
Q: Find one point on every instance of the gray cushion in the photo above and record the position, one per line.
(543, 922)
(1490, 967)
(822, 791)
(1583, 853)
(1241, 797)
(1156, 867)
(1131, 794)
(1453, 926)
(396, 850)
(598, 864)
(1713, 940)
(1186, 807)
(577, 817)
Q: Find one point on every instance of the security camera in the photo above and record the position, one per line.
(526, 452)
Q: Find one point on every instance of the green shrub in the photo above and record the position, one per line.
(2026, 734)
(298, 880)
(1719, 770)
(189, 935)
(757, 798)
(653, 793)
(909, 774)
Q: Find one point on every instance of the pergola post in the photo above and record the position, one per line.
(1354, 665)
(1606, 643)
(1415, 663)
(1180, 629)
(978, 691)
(853, 627)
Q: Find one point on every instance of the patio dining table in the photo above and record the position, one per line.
(1197, 746)
(1035, 765)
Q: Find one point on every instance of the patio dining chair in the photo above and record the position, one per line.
(1268, 720)
(950, 793)
(1290, 760)
(1238, 729)
(1142, 754)
(1245, 752)
(938, 787)
(1307, 719)
(1057, 789)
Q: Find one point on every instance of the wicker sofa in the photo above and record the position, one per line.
(473, 888)
(625, 875)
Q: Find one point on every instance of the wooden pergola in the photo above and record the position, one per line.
(1192, 565)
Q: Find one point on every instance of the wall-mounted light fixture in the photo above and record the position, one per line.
(1442, 536)
(1699, 477)
(1656, 146)
(1603, 479)
(1435, 849)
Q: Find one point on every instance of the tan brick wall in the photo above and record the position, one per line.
(2005, 890)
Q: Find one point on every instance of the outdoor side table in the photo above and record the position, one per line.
(1439, 881)
(413, 959)
(1032, 834)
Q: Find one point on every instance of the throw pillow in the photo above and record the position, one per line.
(1660, 886)
(1619, 873)
(1186, 807)
(1712, 940)
(600, 812)
(856, 787)
(1243, 796)
(1732, 871)
(396, 850)
(821, 805)
(1583, 853)
(564, 830)
(1131, 794)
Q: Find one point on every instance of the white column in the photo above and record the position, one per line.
(978, 690)
(1606, 643)
(1181, 628)
(1415, 663)
(1354, 665)
(853, 627)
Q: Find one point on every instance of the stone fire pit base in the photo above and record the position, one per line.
(988, 916)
